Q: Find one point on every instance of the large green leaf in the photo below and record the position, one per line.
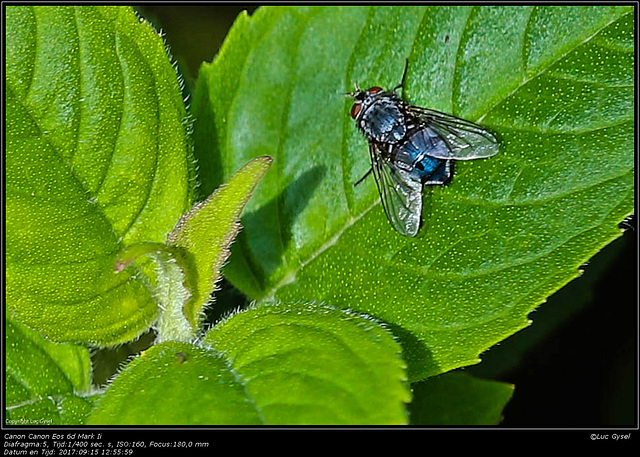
(175, 383)
(271, 365)
(304, 364)
(97, 158)
(554, 83)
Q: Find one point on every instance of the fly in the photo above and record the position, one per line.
(411, 147)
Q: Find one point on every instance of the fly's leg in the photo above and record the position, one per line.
(404, 76)
(363, 178)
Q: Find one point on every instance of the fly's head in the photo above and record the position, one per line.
(362, 99)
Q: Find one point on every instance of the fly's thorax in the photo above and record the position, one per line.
(380, 116)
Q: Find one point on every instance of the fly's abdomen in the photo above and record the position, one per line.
(415, 155)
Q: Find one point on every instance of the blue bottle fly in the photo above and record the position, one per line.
(412, 146)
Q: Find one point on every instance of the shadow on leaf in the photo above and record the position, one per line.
(268, 229)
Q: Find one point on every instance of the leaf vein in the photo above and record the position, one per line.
(152, 181)
(346, 124)
(575, 79)
(36, 50)
(544, 69)
(455, 87)
(541, 200)
(120, 78)
(79, 118)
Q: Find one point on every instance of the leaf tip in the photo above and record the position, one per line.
(263, 161)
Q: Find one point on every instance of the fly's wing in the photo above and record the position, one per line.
(401, 194)
(465, 140)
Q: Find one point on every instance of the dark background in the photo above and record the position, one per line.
(575, 366)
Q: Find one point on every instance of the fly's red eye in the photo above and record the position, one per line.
(355, 109)
(375, 90)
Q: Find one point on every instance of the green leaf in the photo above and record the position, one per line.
(458, 399)
(554, 83)
(202, 237)
(97, 158)
(175, 383)
(304, 364)
(44, 379)
(297, 364)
